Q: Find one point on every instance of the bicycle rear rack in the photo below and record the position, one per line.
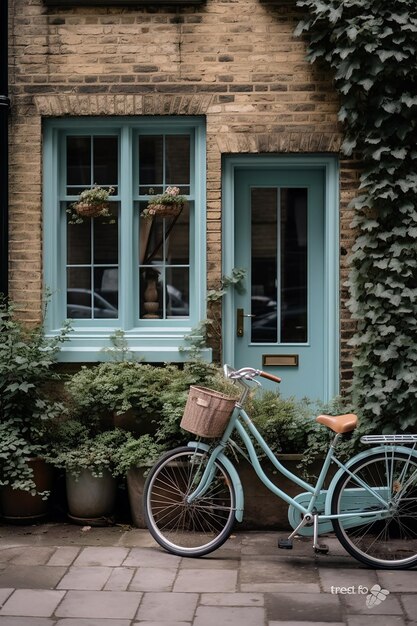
(370, 439)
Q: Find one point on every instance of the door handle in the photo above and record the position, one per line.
(240, 315)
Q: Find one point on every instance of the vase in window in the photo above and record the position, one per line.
(168, 204)
(151, 296)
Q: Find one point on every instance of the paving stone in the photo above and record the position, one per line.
(232, 599)
(271, 570)
(153, 579)
(11, 552)
(210, 563)
(200, 580)
(161, 623)
(357, 604)
(369, 620)
(168, 607)
(402, 581)
(64, 556)
(229, 616)
(296, 606)
(278, 588)
(142, 557)
(88, 578)
(32, 602)
(137, 537)
(92, 622)
(26, 621)
(33, 556)
(105, 555)
(410, 604)
(120, 579)
(332, 577)
(4, 594)
(99, 604)
(31, 577)
(273, 623)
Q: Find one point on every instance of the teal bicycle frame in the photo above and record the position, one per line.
(319, 505)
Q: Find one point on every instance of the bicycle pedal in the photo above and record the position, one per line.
(322, 548)
(285, 544)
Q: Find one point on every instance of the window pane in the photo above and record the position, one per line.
(151, 160)
(264, 265)
(79, 243)
(106, 249)
(177, 162)
(151, 293)
(79, 161)
(106, 298)
(293, 265)
(151, 239)
(177, 297)
(105, 161)
(177, 248)
(79, 293)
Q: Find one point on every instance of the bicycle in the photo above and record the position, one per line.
(193, 494)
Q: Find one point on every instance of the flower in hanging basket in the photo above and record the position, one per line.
(168, 204)
(91, 202)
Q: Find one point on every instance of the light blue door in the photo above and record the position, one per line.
(279, 320)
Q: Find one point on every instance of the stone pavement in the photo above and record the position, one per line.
(60, 575)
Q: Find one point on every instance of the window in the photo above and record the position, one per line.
(143, 275)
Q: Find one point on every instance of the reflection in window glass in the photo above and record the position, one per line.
(91, 161)
(164, 262)
(79, 161)
(264, 265)
(92, 268)
(105, 161)
(151, 155)
(293, 265)
(177, 159)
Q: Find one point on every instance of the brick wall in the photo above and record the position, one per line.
(236, 62)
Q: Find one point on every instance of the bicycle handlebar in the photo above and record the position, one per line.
(248, 373)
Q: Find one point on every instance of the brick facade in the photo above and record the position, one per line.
(235, 62)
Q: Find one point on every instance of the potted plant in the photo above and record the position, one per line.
(92, 202)
(168, 204)
(91, 469)
(27, 409)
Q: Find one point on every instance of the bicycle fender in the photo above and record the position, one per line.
(354, 459)
(233, 475)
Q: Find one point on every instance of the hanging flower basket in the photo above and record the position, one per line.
(91, 203)
(86, 209)
(167, 204)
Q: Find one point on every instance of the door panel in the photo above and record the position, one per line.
(279, 240)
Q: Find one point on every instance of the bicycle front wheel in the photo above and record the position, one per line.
(377, 534)
(183, 528)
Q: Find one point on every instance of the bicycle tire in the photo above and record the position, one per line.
(181, 528)
(391, 541)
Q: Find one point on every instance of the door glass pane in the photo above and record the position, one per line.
(293, 306)
(264, 265)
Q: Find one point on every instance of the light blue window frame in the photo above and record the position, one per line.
(153, 340)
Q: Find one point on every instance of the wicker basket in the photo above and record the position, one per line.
(173, 209)
(91, 209)
(207, 412)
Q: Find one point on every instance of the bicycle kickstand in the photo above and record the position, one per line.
(319, 548)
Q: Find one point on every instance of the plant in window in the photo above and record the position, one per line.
(168, 204)
(91, 202)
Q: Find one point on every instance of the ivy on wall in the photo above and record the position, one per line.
(371, 46)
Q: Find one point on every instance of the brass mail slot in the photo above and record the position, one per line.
(290, 360)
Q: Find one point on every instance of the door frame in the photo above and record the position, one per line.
(329, 165)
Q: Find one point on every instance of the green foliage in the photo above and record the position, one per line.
(371, 47)
(96, 454)
(157, 394)
(27, 359)
(136, 452)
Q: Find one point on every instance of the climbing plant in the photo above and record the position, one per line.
(371, 46)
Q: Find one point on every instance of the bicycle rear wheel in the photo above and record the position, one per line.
(387, 539)
(182, 528)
